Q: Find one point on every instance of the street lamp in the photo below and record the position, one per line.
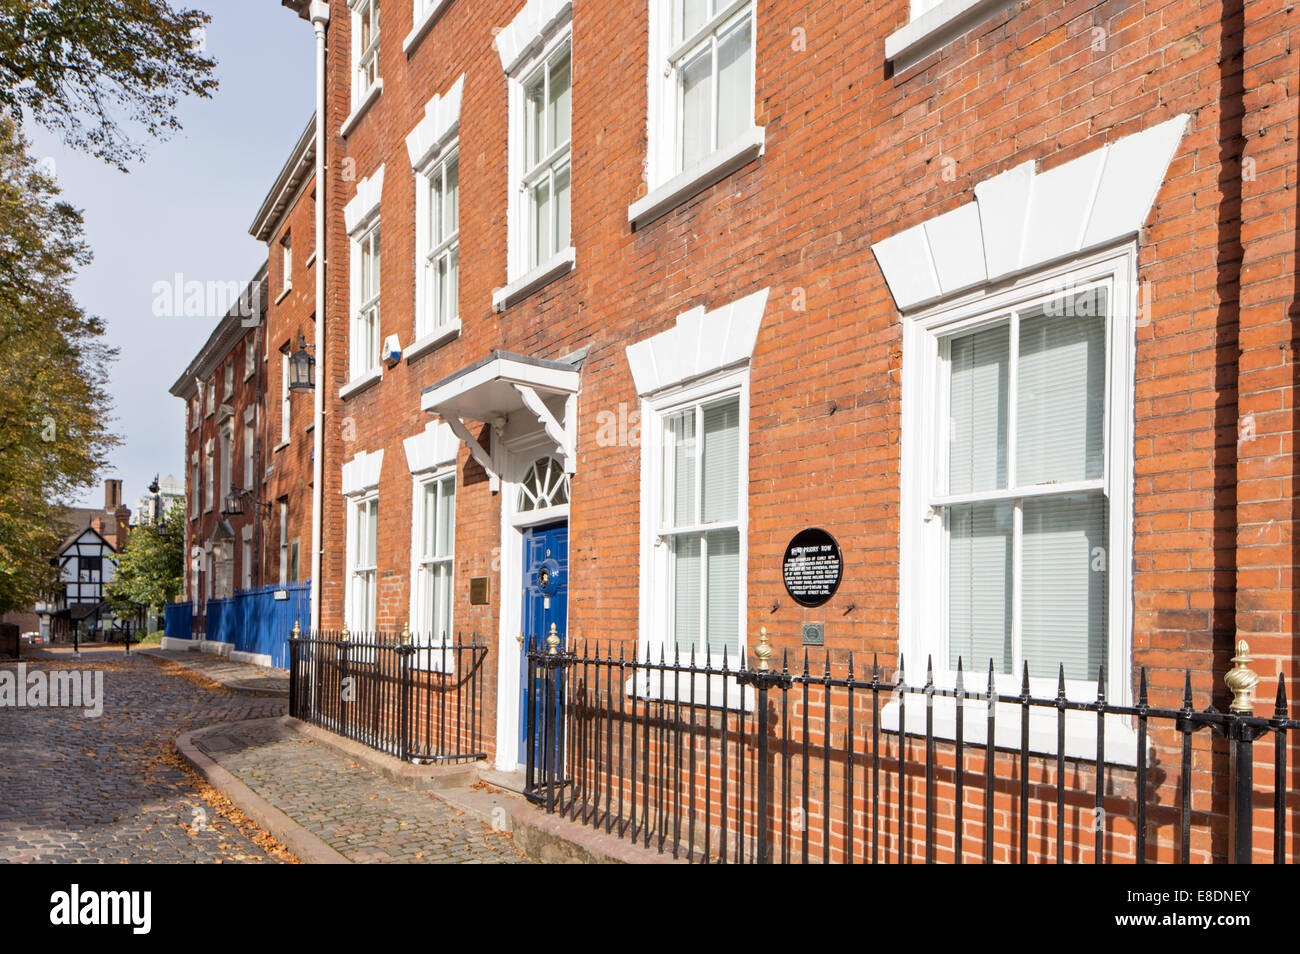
(233, 506)
(301, 368)
(157, 501)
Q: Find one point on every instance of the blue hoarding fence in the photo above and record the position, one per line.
(178, 620)
(252, 621)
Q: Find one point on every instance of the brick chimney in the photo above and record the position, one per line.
(123, 517)
(112, 494)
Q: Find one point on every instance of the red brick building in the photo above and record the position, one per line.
(1000, 295)
(285, 224)
(223, 388)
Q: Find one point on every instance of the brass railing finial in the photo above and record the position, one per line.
(297, 630)
(1242, 680)
(343, 636)
(553, 642)
(763, 652)
(406, 634)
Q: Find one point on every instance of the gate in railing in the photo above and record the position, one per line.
(805, 762)
(395, 693)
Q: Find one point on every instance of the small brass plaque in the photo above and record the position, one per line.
(478, 590)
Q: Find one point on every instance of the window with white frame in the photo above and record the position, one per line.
(365, 48)
(438, 237)
(228, 379)
(284, 395)
(226, 463)
(363, 557)
(211, 389)
(1018, 546)
(286, 262)
(546, 173)
(194, 487)
(365, 315)
(250, 438)
(250, 356)
(711, 64)
(284, 542)
(195, 411)
(207, 476)
(246, 558)
(700, 98)
(434, 543)
(698, 578)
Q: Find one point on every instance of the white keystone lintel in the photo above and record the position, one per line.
(434, 447)
(529, 29)
(440, 122)
(364, 206)
(1023, 219)
(361, 474)
(700, 343)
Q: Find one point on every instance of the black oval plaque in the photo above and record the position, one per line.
(813, 567)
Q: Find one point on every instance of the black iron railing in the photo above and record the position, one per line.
(804, 761)
(394, 693)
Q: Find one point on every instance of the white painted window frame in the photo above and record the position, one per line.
(668, 181)
(365, 62)
(284, 542)
(922, 578)
(656, 601)
(523, 278)
(365, 339)
(250, 356)
(523, 176)
(246, 557)
(358, 624)
(250, 443)
(423, 638)
(432, 324)
(286, 264)
(285, 405)
(209, 476)
(423, 15)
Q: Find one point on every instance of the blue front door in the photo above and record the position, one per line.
(546, 604)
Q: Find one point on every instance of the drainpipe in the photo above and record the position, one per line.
(320, 15)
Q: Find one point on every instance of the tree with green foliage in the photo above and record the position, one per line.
(79, 67)
(150, 570)
(54, 403)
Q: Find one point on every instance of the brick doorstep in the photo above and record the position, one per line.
(545, 838)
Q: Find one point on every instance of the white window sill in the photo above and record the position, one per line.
(284, 294)
(934, 28)
(430, 341)
(361, 108)
(361, 382)
(691, 182)
(422, 27)
(280, 446)
(715, 691)
(311, 260)
(542, 275)
(1080, 728)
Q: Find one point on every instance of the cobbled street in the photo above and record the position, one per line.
(109, 789)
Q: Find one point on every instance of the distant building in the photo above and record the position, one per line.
(87, 561)
(150, 508)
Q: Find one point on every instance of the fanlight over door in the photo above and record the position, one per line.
(545, 485)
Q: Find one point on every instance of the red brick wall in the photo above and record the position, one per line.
(199, 528)
(855, 153)
(287, 466)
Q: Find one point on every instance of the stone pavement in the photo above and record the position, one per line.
(111, 789)
(233, 675)
(357, 812)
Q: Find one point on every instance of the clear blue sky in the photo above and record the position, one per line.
(186, 209)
